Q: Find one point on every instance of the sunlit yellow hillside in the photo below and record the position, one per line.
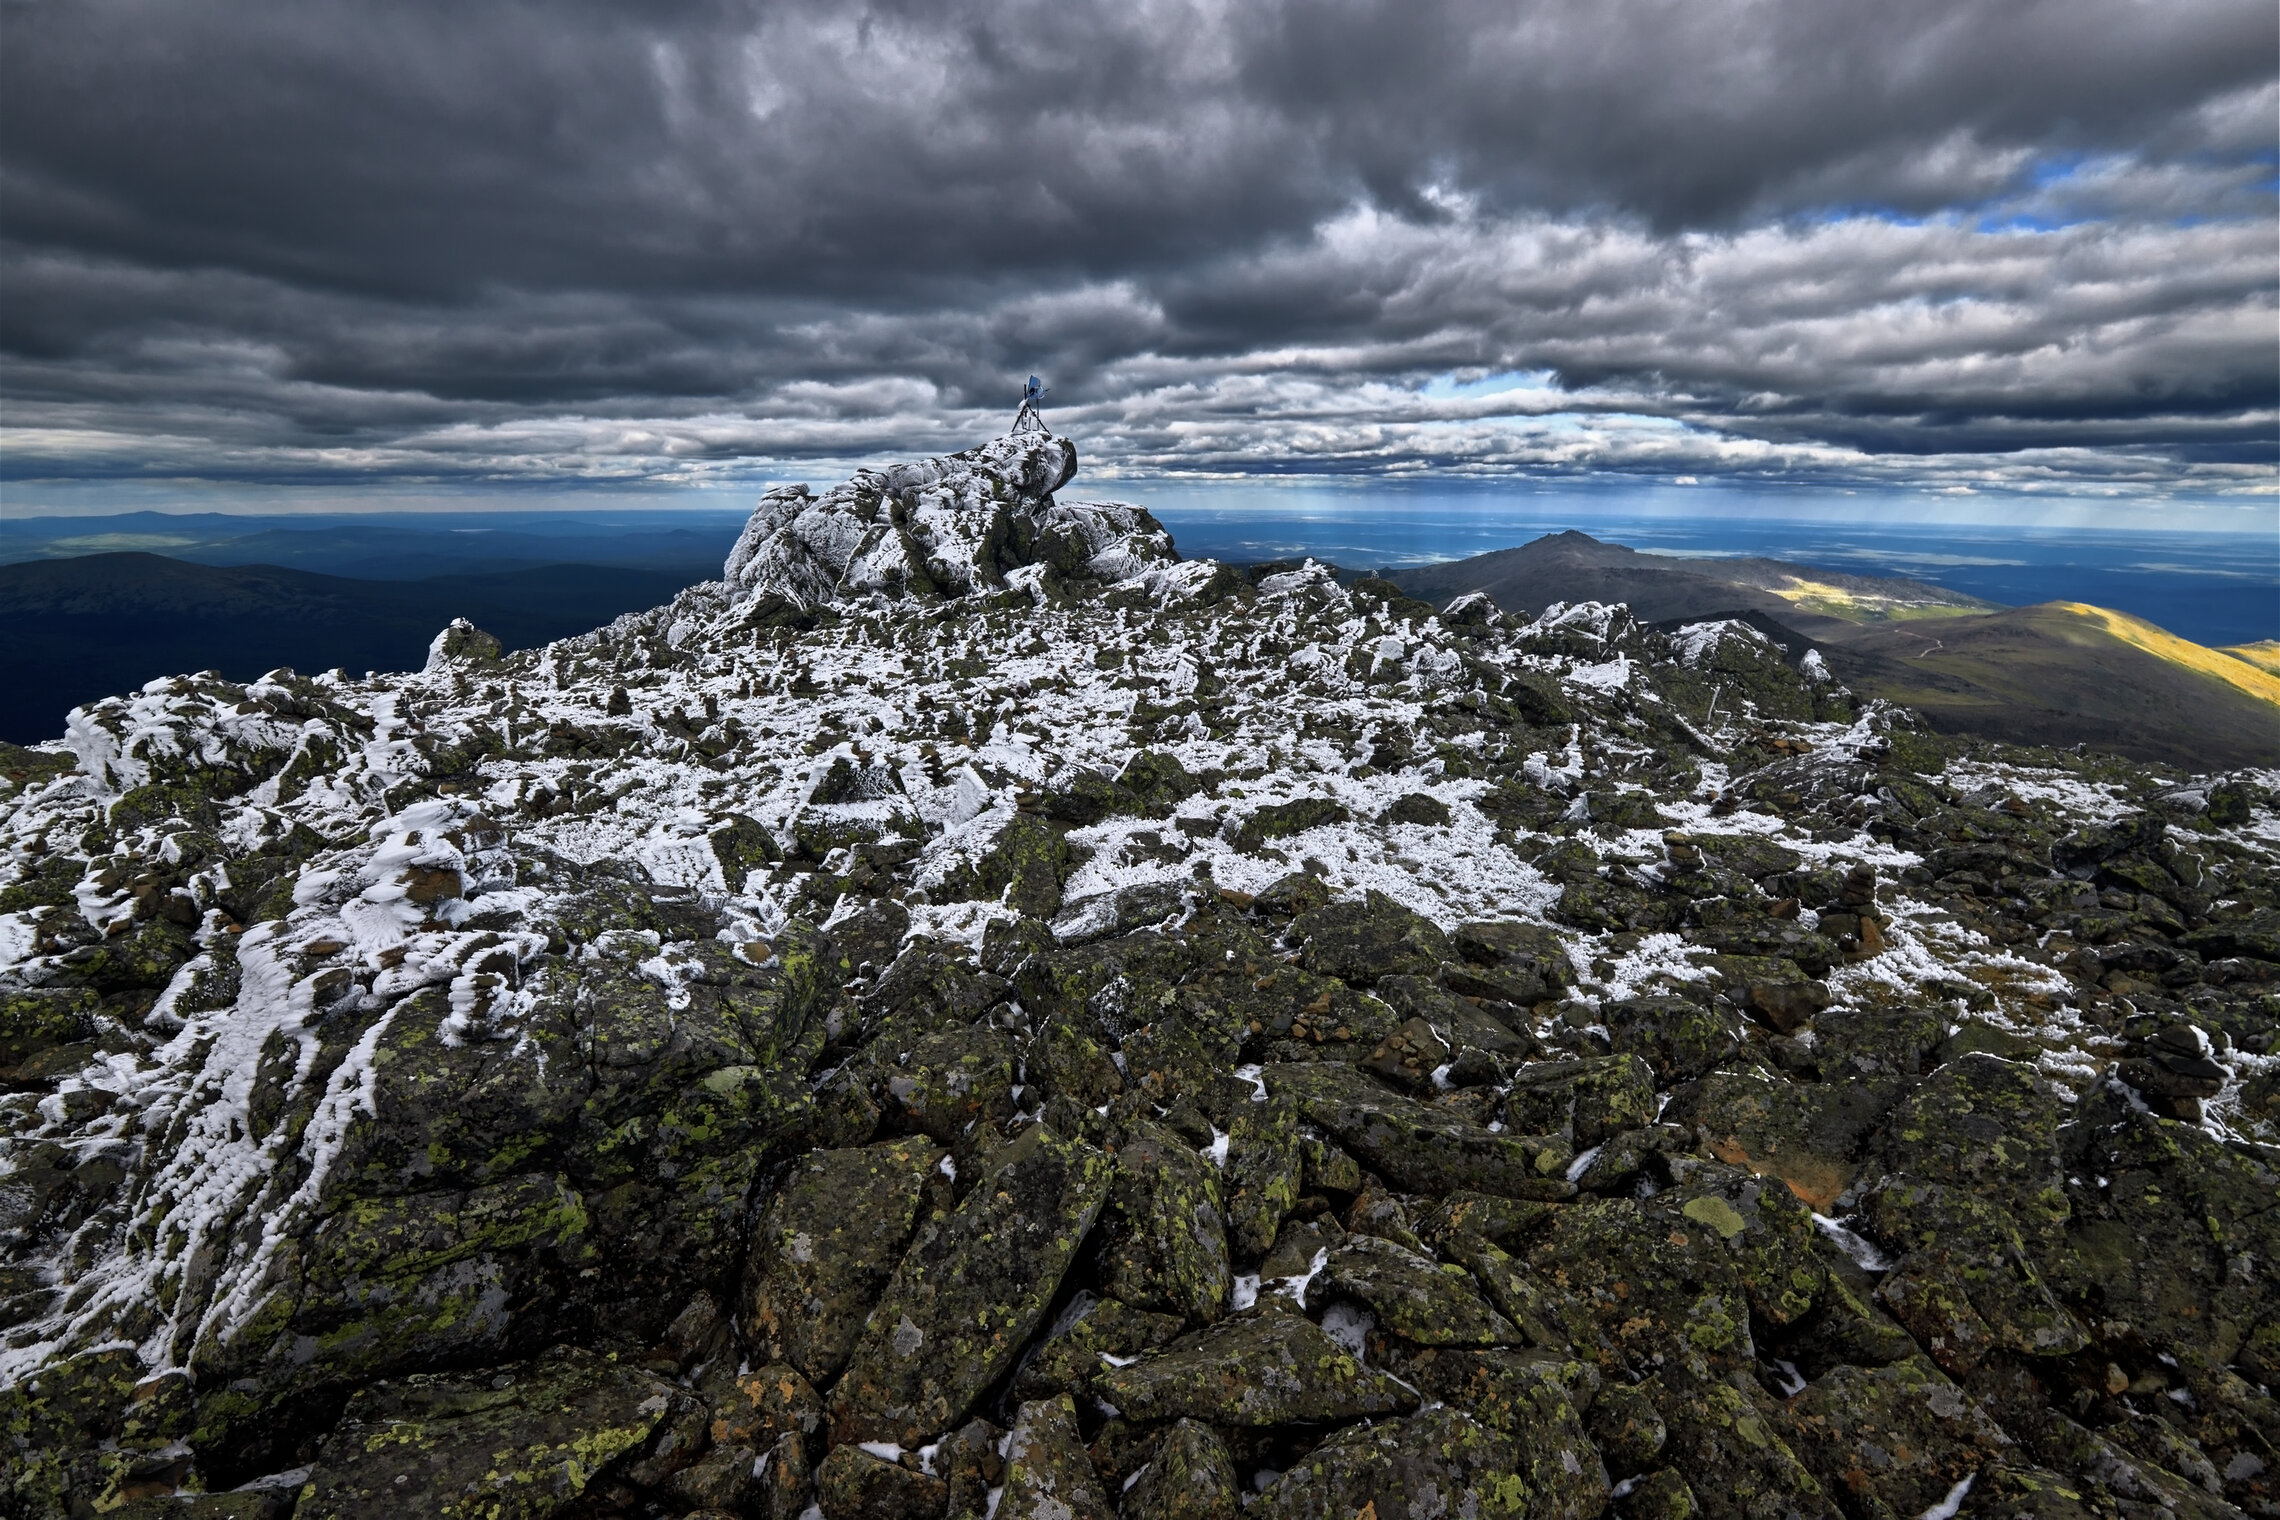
(1855, 604)
(2260, 683)
(2264, 654)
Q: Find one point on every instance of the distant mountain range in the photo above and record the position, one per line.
(100, 624)
(2061, 673)
(82, 625)
(400, 546)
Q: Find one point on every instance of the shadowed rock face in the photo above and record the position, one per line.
(973, 1011)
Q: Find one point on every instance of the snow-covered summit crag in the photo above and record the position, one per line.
(358, 1028)
(979, 520)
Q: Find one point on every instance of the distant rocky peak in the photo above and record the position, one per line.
(975, 521)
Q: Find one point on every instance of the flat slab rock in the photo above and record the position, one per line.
(515, 1443)
(1270, 1367)
(1419, 1147)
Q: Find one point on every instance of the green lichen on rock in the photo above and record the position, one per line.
(1266, 1368)
(1537, 1403)
(1190, 1477)
(527, 1440)
(826, 1246)
(1891, 1440)
(1048, 1476)
(1425, 1302)
(1164, 1246)
(1435, 1463)
(1424, 1148)
(970, 1292)
(1266, 1168)
(1358, 942)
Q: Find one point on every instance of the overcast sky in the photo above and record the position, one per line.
(1898, 246)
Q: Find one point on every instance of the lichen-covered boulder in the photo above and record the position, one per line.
(1591, 1099)
(956, 1084)
(1358, 942)
(1090, 1337)
(1538, 1404)
(1266, 1167)
(1677, 1278)
(827, 1245)
(1976, 1203)
(1425, 1148)
(1680, 1038)
(1626, 1429)
(1418, 1299)
(1269, 1367)
(522, 1441)
(970, 1292)
(1047, 1474)
(1891, 1440)
(855, 1484)
(1440, 1462)
(1163, 1245)
(1807, 1135)
(1190, 1477)
(1734, 1463)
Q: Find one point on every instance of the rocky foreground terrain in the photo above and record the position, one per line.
(970, 1015)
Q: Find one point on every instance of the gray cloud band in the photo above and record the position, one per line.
(2022, 246)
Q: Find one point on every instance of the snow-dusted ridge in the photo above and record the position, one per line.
(891, 680)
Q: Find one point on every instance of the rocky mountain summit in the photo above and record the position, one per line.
(973, 1017)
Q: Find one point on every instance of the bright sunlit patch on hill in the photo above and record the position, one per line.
(2140, 634)
(2263, 654)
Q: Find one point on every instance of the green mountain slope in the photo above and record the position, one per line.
(2060, 674)
(1575, 567)
(2065, 673)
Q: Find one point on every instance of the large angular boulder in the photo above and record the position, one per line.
(827, 1245)
(1270, 1367)
(1163, 1246)
(1440, 1462)
(1424, 1148)
(518, 1442)
(1190, 1477)
(1415, 1297)
(1048, 1476)
(970, 1292)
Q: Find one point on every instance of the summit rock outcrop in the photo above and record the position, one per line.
(981, 520)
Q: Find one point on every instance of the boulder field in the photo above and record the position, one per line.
(973, 1017)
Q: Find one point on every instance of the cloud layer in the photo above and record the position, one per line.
(1924, 245)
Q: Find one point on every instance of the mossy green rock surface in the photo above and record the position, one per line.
(1437, 1463)
(518, 1443)
(970, 1292)
(1266, 1368)
(828, 1243)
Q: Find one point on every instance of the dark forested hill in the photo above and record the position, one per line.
(76, 629)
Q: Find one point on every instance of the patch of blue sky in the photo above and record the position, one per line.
(2032, 221)
(1449, 388)
(2057, 168)
(1868, 211)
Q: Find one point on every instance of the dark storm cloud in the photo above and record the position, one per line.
(2022, 244)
